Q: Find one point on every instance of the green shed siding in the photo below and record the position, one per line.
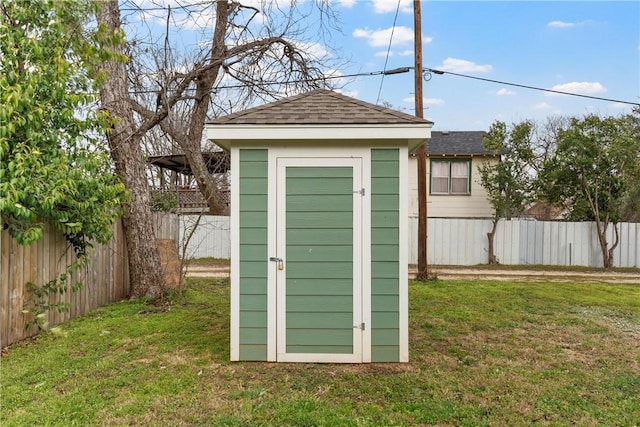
(319, 253)
(385, 240)
(253, 253)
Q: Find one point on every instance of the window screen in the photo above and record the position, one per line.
(450, 176)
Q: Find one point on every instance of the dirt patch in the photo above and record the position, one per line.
(222, 269)
(533, 275)
(613, 320)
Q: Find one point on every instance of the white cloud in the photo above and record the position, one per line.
(316, 50)
(346, 3)
(338, 80)
(456, 65)
(351, 93)
(561, 24)
(387, 6)
(378, 38)
(582, 88)
(406, 53)
(505, 92)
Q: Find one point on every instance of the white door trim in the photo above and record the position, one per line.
(234, 225)
(359, 158)
(403, 255)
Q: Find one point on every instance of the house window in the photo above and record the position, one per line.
(449, 176)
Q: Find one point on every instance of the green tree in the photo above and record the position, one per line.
(52, 168)
(509, 181)
(593, 172)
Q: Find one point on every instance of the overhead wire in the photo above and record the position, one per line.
(386, 60)
(405, 70)
(383, 73)
(273, 83)
(560, 92)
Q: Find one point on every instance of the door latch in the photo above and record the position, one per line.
(279, 261)
(360, 326)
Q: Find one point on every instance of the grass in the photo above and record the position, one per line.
(482, 353)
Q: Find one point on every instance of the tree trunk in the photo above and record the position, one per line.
(145, 270)
(493, 260)
(601, 229)
(204, 84)
(613, 247)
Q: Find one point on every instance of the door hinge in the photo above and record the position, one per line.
(360, 326)
(361, 192)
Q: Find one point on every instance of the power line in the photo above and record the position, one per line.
(402, 70)
(440, 72)
(273, 83)
(393, 28)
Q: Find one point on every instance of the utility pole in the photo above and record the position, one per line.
(422, 156)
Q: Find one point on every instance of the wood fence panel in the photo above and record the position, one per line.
(105, 279)
(4, 288)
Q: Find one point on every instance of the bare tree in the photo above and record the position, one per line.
(124, 143)
(253, 53)
(545, 139)
(262, 65)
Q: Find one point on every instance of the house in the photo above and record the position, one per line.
(318, 228)
(453, 181)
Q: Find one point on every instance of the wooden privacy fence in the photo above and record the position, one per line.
(105, 279)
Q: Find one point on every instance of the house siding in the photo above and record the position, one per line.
(474, 205)
(253, 254)
(385, 240)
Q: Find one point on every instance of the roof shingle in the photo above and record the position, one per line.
(456, 143)
(318, 107)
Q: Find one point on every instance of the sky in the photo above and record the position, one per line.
(586, 47)
(591, 48)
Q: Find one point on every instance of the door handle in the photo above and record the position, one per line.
(279, 261)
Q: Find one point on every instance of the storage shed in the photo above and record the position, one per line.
(319, 228)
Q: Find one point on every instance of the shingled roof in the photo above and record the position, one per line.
(318, 107)
(457, 143)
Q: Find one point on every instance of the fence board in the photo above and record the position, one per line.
(4, 287)
(105, 279)
(211, 237)
(464, 242)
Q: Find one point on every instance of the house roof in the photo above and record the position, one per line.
(216, 161)
(318, 107)
(318, 117)
(457, 143)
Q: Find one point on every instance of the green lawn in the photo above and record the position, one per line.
(482, 353)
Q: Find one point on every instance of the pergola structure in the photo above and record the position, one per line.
(190, 200)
